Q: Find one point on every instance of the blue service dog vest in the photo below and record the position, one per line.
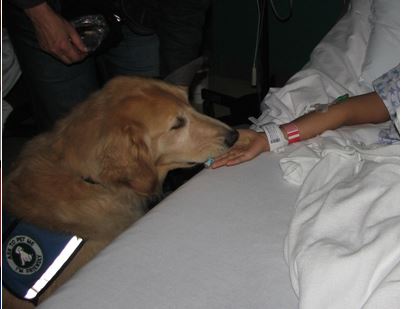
(33, 257)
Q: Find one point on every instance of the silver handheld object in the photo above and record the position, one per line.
(92, 29)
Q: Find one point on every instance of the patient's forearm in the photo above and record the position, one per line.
(367, 108)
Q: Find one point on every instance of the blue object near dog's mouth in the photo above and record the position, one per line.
(209, 162)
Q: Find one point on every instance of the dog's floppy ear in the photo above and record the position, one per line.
(126, 160)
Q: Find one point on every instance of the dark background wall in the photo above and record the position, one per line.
(233, 35)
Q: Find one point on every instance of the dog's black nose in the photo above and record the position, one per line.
(231, 137)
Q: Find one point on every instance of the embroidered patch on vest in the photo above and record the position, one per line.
(24, 256)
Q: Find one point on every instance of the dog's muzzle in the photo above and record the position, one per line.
(231, 137)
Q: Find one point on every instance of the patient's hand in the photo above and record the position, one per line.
(249, 145)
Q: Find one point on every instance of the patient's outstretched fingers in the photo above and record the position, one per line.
(228, 159)
(237, 160)
(218, 162)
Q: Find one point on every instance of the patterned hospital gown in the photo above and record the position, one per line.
(388, 88)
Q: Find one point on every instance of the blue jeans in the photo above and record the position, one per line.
(55, 87)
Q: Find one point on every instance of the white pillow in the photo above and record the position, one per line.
(383, 52)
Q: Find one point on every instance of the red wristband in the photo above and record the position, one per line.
(292, 131)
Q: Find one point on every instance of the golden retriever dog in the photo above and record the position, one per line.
(92, 175)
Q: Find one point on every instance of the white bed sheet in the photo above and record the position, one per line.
(343, 242)
(217, 242)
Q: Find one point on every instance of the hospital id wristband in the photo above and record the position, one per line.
(292, 132)
(274, 136)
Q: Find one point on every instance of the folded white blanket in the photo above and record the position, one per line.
(343, 242)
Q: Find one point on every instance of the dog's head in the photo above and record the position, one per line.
(145, 128)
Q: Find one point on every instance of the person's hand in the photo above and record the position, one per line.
(55, 35)
(249, 145)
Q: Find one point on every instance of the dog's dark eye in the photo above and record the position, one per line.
(179, 123)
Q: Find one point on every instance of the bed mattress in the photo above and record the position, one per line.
(216, 242)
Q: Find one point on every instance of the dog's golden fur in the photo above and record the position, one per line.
(92, 175)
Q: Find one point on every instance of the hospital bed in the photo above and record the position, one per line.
(314, 226)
